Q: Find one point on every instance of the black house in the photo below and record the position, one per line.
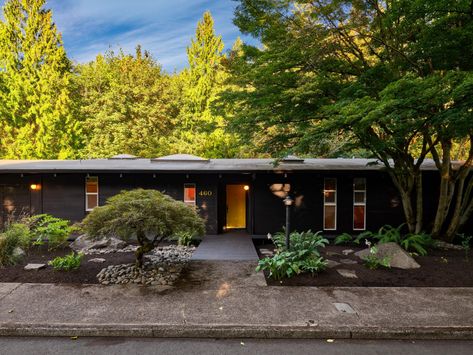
(333, 195)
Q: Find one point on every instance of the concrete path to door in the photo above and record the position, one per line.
(229, 246)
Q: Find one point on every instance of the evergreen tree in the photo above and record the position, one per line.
(200, 130)
(37, 119)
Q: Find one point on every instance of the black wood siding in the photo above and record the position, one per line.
(63, 195)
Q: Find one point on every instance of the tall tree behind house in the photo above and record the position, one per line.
(37, 112)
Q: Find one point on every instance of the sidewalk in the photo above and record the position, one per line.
(227, 307)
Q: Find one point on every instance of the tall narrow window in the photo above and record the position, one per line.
(189, 194)
(91, 192)
(330, 204)
(359, 204)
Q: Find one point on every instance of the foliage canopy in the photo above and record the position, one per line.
(147, 215)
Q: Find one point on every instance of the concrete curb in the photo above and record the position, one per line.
(234, 331)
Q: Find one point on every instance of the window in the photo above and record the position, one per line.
(359, 204)
(330, 204)
(189, 194)
(91, 192)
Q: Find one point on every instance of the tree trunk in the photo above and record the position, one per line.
(408, 211)
(463, 209)
(445, 193)
(145, 247)
(419, 204)
(452, 188)
(405, 190)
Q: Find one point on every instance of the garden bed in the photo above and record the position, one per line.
(440, 268)
(86, 274)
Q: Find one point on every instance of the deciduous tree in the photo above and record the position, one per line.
(127, 103)
(391, 77)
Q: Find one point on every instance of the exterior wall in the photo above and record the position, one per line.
(63, 195)
(16, 198)
(382, 207)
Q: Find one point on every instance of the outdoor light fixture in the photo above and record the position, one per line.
(246, 187)
(288, 201)
(35, 187)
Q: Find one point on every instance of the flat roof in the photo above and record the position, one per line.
(187, 165)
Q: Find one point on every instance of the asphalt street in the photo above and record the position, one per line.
(129, 346)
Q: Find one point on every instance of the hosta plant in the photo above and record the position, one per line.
(67, 263)
(302, 256)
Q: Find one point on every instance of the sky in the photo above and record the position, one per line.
(163, 27)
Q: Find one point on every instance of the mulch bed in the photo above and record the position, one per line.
(86, 274)
(440, 268)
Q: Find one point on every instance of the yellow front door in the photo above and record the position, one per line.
(236, 206)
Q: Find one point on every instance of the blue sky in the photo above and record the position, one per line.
(163, 27)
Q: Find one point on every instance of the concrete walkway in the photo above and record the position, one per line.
(231, 311)
(234, 246)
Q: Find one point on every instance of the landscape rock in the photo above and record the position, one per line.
(332, 253)
(86, 245)
(97, 260)
(162, 267)
(347, 251)
(266, 252)
(332, 263)
(350, 274)
(34, 267)
(348, 261)
(398, 257)
(444, 245)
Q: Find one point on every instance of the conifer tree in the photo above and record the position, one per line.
(199, 130)
(37, 119)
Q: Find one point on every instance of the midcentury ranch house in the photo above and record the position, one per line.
(333, 195)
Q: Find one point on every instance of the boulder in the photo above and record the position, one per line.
(34, 267)
(398, 257)
(84, 243)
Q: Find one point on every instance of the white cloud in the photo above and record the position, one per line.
(162, 27)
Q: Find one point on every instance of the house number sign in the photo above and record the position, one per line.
(205, 193)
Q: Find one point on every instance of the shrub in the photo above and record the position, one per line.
(343, 239)
(55, 230)
(147, 215)
(412, 242)
(184, 238)
(69, 262)
(16, 235)
(303, 255)
(307, 241)
(417, 242)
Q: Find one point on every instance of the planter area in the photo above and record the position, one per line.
(440, 268)
(162, 267)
